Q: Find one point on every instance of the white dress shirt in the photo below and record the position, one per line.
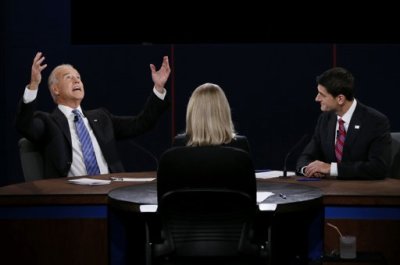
(346, 118)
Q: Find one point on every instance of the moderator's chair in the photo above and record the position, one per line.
(207, 208)
(31, 160)
(395, 149)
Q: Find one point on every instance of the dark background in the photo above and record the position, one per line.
(266, 65)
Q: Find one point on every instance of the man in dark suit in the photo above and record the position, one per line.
(59, 136)
(351, 140)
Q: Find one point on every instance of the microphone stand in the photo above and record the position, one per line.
(299, 143)
(145, 151)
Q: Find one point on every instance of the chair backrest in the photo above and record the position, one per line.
(206, 167)
(31, 160)
(395, 149)
(206, 223)
(206, 198)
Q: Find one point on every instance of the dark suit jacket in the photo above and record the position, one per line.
(239, 141)
(366, 150)
(206, 167)
(51, 132)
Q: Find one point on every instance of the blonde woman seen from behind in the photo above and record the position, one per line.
(209, 120)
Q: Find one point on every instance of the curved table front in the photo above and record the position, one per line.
(276, 214)
(287, 197)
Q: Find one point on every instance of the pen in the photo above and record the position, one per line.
(117, 179)
(308, 179)
(283, 196)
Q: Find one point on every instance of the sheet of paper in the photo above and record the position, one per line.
(148, 208)
(132, 179)
(89, 181)
(267, 206)
(273, 174)
(262, 195)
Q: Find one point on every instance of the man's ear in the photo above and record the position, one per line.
(341, 99)
(55, 90)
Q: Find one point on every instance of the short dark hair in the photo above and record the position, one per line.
(337, 81)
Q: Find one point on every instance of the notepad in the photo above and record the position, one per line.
(132, 179)
(89, 181)
(273, 174)
(262, 195)
(148, 208)
(267, 206)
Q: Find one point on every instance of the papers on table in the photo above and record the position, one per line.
(272, 174)
(89, 181)
(262, 195)
(92, 181)
(132, 179)
(148, 208)
(267, 206)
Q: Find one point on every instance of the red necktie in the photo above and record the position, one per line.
(341, 136)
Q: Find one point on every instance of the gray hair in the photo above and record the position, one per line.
(53, 79)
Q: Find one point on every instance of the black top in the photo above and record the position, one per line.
(206, 167)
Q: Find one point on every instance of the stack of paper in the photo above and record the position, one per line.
(89, 181)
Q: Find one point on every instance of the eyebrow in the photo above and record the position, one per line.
(69, 73)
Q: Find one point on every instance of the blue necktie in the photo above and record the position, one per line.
(89, 156)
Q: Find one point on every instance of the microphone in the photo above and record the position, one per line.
(145, 151)
(294, 148)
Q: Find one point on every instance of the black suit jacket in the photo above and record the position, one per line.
(206, 167)
(239, 141)
(366, 150)
(51, 132)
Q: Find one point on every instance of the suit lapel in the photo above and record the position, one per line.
(331, 135)
(62, 122)
(354, 128)
(94, 122)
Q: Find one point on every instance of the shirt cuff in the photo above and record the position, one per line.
(29, 95)
(160, 95)
(334, 170)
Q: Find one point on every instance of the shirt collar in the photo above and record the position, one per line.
(347, 116)
(68, 111)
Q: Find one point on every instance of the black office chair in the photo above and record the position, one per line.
(207, 226)
(31, 160)
(395, 149)
(207, 208)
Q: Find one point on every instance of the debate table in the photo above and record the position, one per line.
(54, 222)
(289, 201)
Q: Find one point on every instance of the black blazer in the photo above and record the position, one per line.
(51, 132)
(366, 150)
(206, 167)
(239, 141)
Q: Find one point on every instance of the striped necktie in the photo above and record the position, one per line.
(89, 156)
(341, 136)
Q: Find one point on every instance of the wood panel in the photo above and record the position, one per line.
(49, 242)
(380, 236)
